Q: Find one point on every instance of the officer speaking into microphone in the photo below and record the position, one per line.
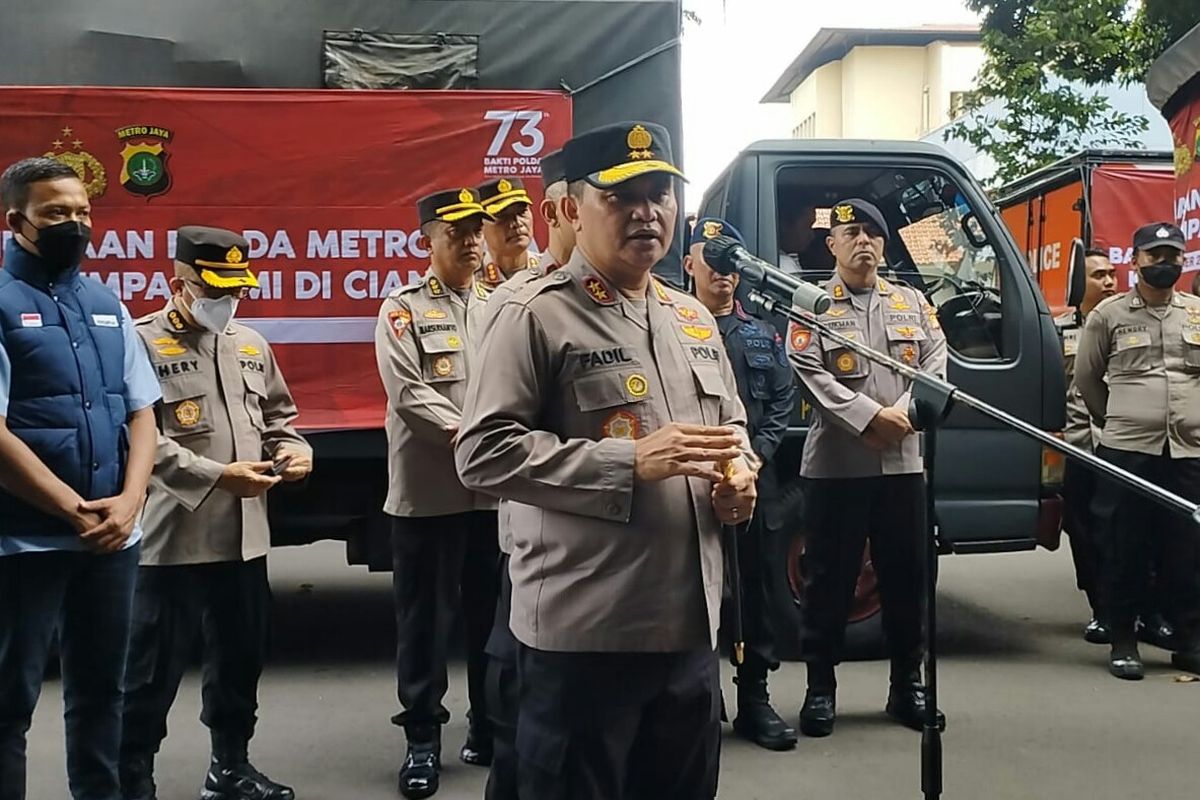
(604, 408)
(1138, 370)
(863, 465)
(226, 437)
(765, 386)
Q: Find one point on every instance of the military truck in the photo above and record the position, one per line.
(996, 491)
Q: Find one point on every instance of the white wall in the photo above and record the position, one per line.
(882, 89)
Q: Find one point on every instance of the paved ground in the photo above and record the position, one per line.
(1033, 713)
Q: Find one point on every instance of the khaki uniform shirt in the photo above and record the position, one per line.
(224, 400)
(539, 267)
(574, 372)
(847, 390)
(1151, 359)
(1078, 429)
(492, 277)
(422, 348)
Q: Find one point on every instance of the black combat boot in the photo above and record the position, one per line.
(907, 701)
(137, 777)
(1097, 632)
(477, 750)
(1154, 630)
(820, 701)
(231, 776)
(1124, 661)
(419, 776)
(756, 720)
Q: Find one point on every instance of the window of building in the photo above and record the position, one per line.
(959, 102)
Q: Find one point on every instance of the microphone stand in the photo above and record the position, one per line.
(932, 401)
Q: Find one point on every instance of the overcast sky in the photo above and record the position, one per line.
(735, 55)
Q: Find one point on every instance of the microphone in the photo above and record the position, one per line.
(726, 256)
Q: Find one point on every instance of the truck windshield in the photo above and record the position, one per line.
(941, 248)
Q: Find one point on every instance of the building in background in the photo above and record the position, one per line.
(897, 83)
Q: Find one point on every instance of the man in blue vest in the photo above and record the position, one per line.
(77, 440)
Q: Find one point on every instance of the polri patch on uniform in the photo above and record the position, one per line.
(800, 337)
(399, 320)
(188, 414)
(31, 320)
(621, 425)
(443, 366)
(106, 321)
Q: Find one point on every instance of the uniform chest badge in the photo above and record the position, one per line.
(175, 321)
(687, 314)
(839, 293)
(846, 362)
(454, 341)
(442, 366)
(492, 274)
(907, 332)
(660, 292)
(699, 332)
(837, 311)
(187, 413)
(621, 425)
(249, 350)
(435, 313)
(168, 350)
(897, 302)
(636, 385)
(909, 354)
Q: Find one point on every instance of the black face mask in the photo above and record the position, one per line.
(1161, 275)
(63, 244)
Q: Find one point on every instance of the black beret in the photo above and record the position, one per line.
(856, 211)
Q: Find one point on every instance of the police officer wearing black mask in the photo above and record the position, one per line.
(764, 382)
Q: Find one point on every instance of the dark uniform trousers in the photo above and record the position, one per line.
(618, 726)
(1079, 487)
(435, 562)
(503, 696)
(1135, 532)
(225, 604)
(87, 598)
(753, 561)
(842, 514)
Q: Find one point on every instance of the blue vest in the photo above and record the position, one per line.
(67, 393)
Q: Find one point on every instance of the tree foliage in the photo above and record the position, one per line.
(1044, 62)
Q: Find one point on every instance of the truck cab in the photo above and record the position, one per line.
(995, 490)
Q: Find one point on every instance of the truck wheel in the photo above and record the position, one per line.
(788, 593)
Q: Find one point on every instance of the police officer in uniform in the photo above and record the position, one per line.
(503, 691)
(1138, 370)
(606, 410)
(508, 234)
(226, 429)
(1079, 483)
(443, 535)
(863, 464)
(764, 382)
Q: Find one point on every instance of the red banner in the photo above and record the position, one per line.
(323, 184)
(1124, 198)
(1185, 131)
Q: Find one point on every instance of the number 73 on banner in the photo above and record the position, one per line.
(530, 139)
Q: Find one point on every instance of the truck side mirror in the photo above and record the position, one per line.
(1076, 274)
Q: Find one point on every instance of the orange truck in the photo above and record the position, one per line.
(1096, 198)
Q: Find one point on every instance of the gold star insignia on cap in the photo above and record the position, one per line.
(712, 230)
(465, 196)
(234, 255)
(640, 140)
(844, 213)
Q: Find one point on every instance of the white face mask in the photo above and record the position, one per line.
(213, 314)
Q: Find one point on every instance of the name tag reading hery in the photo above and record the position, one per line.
(608, 357)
